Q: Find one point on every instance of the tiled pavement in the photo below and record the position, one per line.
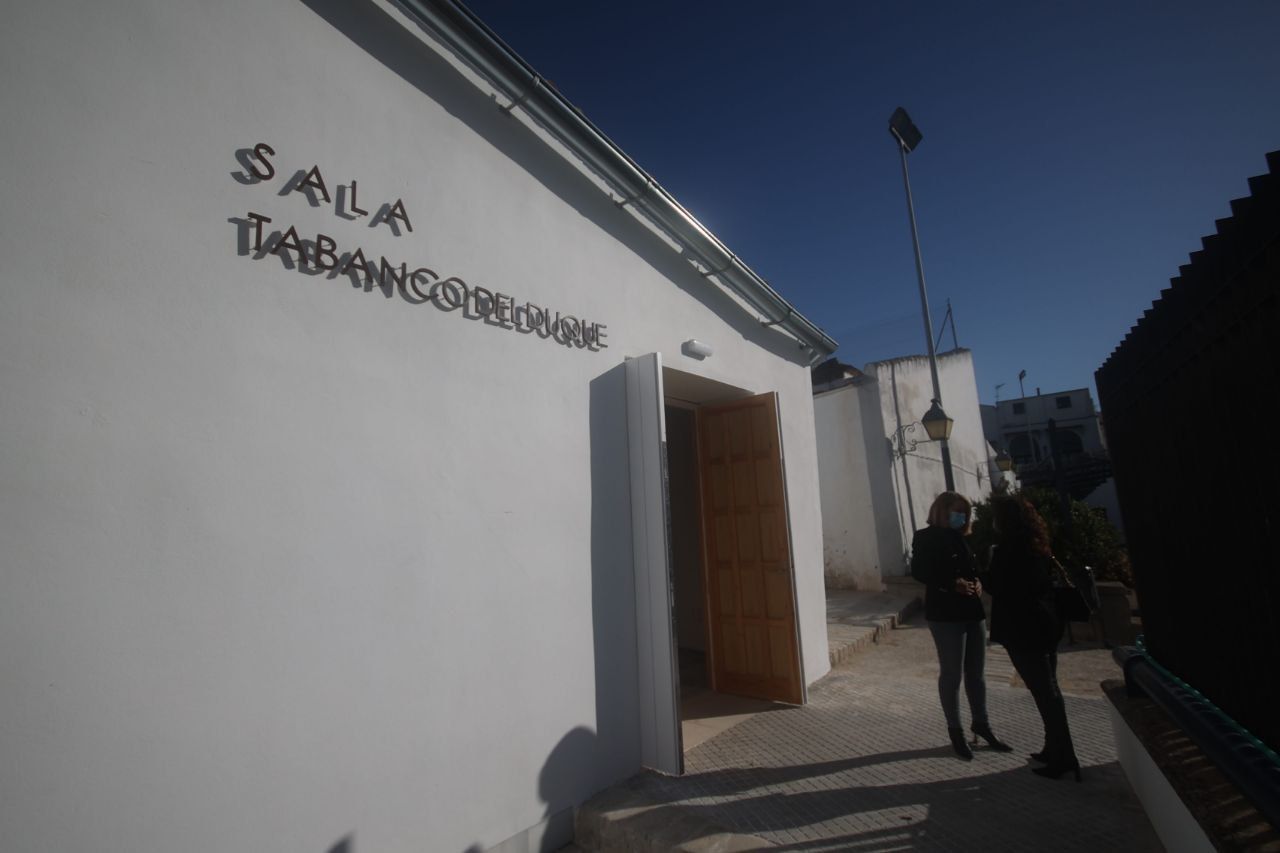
(866, 766)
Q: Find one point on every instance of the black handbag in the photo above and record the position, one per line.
(1069, 603)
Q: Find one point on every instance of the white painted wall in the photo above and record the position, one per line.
(873, 500)
(907, 390)
(1177, 827)
(289, 561)
(861, 528)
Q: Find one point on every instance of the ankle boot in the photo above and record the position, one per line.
(1056, 769)
(958, 744)
(984, 731)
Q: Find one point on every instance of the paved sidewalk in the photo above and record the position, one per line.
(866, 766)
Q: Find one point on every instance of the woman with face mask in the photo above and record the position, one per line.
(942, 561)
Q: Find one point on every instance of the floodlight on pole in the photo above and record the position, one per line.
(908, 135)
(901, 126)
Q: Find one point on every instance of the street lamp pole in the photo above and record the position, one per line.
(1033, 455)
(908, 136)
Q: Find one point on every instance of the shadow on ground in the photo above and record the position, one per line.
(786, 804)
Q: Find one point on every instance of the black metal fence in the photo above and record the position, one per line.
(1186, 401)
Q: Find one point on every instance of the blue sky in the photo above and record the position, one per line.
(1074, 153)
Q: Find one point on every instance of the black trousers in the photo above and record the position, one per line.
(1040, 671)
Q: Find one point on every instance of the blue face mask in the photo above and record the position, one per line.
(959, 520)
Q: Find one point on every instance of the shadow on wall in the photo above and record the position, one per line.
(384, 39)
(883, 472)
(613, 605)
(567, 778)
(584, 762)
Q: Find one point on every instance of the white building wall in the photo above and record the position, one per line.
(990, 424)
(907, 392)
(873, 498)
(288, 560)
(854, 528)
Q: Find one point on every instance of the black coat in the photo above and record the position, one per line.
(939, 555)
(1022, 612)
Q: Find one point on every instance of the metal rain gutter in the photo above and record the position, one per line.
(459, 29)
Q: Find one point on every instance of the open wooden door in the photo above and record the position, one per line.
(754, 646)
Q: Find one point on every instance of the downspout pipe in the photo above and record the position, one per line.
(461, 31)
(1252, 766)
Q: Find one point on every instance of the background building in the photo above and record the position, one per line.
(1021, 425)
(1022, 428)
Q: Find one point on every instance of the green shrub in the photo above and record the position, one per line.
(1090, 540)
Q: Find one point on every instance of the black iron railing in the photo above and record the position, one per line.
(1251, 765)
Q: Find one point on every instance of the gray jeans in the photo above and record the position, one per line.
(962, 653)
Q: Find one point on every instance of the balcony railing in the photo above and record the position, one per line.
(1081, 472)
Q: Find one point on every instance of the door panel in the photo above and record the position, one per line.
(751, 618)
(660, 740)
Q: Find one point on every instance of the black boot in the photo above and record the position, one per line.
(984, 731)
(1056, 769)
(958, 744)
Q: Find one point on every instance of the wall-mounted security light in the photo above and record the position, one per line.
(696, 349)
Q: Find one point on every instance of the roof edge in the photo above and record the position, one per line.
(463, 32)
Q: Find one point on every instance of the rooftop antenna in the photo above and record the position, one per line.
(998, 387)
(942, 328)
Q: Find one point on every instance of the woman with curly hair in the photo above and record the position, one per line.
(1020, 581)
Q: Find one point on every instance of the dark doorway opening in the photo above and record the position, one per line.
(686, 550)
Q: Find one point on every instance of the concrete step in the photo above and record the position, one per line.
(845, 641)
(622, 819)
(857, 619)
